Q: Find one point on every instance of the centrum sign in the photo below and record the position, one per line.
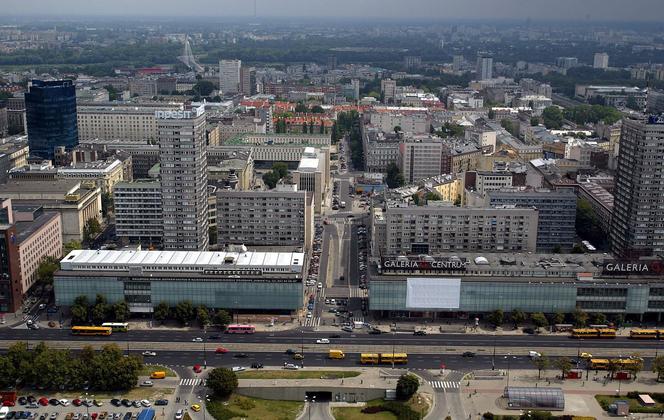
(642, 268)
(417, 264)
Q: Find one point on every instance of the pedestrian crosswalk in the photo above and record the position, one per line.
(312, 322)
(443, 385)
(192, 382)
(356, 292)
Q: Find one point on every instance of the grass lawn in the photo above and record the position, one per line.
(634, 405)
(240, 407)
(297, 374)
(148, 369)
(417, 404)
(138, 393)
(355, 413)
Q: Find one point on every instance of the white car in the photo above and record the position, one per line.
(534, 354)
(145, 403)
(179, 414)
(309, 315)
(64, 402)
(291, 366)
(197, 340)
(238, 368)
(322, 341)
(149, 353)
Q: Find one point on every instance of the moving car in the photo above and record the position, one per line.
(238, 368)
(420, 332)
(241, 355)
(291, 366)
(198, 368)
(323, 341)
(298, 356)
(196, 407)
(290, 351)
(468, 354)
(179, 414)
(534, 354)
(147, 383)
(149, 353)
(221, 350)
(256, 365)
(197, 340)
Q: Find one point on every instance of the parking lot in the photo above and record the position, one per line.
(35, 407)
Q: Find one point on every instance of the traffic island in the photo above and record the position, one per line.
(238, 406)
(324, 385)
(416, 407)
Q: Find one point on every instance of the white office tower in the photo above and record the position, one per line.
(229, 76)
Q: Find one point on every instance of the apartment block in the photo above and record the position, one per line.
(138, 212)
(281, 217)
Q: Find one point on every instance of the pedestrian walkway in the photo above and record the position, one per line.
(356, 292)
(445, 385)
(192, 382)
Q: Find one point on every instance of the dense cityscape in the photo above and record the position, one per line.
(261, 214)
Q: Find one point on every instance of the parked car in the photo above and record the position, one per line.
(145, 403)
(198, 368)
(161, 402)
(196, 407)
(116, 402)
(179, 414)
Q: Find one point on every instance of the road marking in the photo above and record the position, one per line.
(191, 382)
(442, 385)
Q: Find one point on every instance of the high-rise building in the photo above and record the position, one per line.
(247, 81)
(567, 62)
(229, 76)
(484, 67)
(638, 208)
(51, 117)
(420, 157)
(183, 157)
(601, 61)
(388, 88)
(412, 61)
(331, 62)
(457, 62)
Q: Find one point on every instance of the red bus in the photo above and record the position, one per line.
(240, 329)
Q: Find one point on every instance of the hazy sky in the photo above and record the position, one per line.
(651, 10)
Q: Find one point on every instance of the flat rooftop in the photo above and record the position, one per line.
(183, 261)
(62, 186)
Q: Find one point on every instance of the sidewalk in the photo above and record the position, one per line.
(482, 395)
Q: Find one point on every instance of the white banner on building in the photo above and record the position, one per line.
(433, 293)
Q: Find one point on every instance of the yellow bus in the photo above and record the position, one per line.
(336, 354)
(91, 330)
(643, 334)
(607, 333)
(396, 358)
(626, 363)
(369, 359)
(599, 364)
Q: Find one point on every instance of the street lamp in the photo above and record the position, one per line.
(493, 358)
(302, 349)
(204, 353)
(509, 359)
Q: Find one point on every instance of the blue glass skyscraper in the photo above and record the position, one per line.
(51, 117)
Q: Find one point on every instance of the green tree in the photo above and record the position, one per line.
(161, 312)
(70, 246)
(203, 315)
(8, 377)
(416, 199)
(203, 88)
(21, 359)
(553, 118)
(534, 121)
(222, 319)
(317, 109)
(432, 196)
(91, 229)
(631, 103)
(397, 129)
(101, 310)
(613, 367)
(658, 367)
(541, 363)
(496, 318)
(79, 310)
(47, 267)
(222, 381)
(598, 318)
(564, 365)
(305, 128)
(451, 130)
(588, 225)
(271, 179)
(580, 318)
(106, 203)
(518, 317)
(311, 127)
(558, 318)
(511, 128)
(394, 179)
(113, 94)
(407, 386)
(492, 114)
(121, 311)
(184, 312)
(300, 107)
(539, 320)
(281, 168)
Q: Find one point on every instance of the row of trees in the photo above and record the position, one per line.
(394, 178)
(184, 312)
(348, 123)
(97, 312)
(582, 114)
(579, 318)
(106, 370)
(565, 365)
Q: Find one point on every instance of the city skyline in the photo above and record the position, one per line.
(589, 10)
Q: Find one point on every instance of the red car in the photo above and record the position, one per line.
(77, 402)
(198, 369)
(93, 416)
(43, 401)
(221, 350)
(8, 403)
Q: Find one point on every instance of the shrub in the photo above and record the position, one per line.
(246, 404)
(373, 409)
(488, 416)
(403, 412)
